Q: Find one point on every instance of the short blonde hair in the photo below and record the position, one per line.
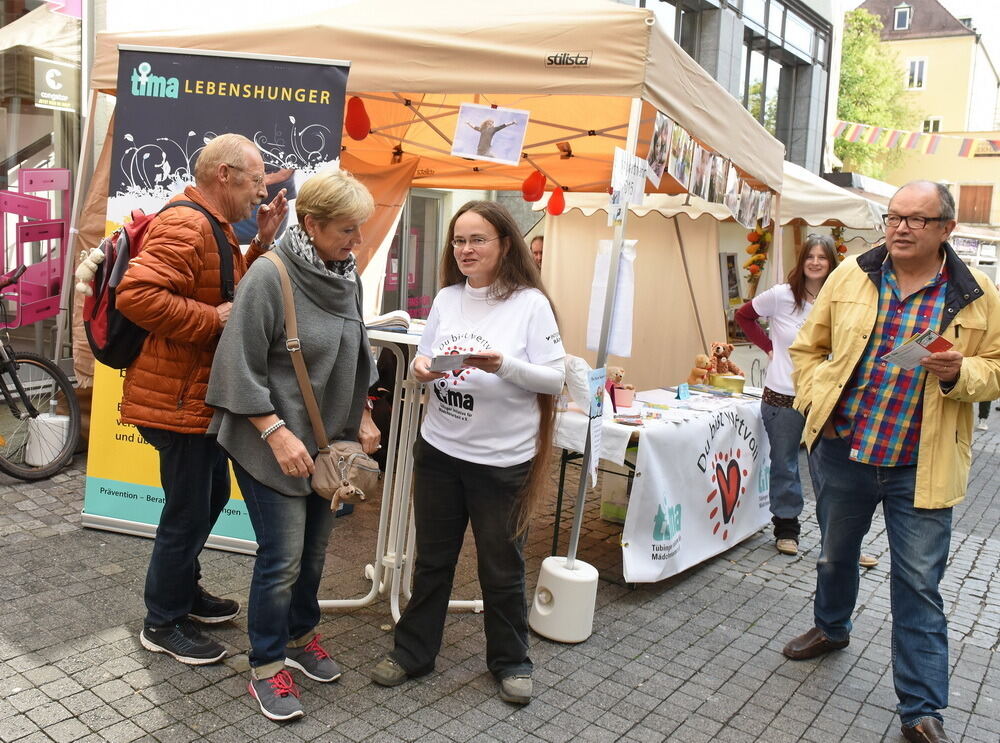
(334, 195)
(229, 149)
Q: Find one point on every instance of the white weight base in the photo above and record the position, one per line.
(563, 607)
(46, 435)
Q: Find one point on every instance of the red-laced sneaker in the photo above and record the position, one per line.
(278, 696)
(313, 661)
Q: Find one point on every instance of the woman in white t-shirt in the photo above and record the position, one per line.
(786, 306)
(483, 448)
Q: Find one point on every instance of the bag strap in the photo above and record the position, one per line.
(226, 279)
(294, 349)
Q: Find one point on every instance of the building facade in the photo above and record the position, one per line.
(953, 82)
(775, 56)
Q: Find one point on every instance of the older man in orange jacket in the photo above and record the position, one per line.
(173, 290)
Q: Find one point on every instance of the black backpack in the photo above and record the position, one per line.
(114, 339)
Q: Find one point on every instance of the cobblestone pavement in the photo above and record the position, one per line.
(694, 658)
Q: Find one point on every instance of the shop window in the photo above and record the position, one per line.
(974, 204)
(932, 124)
(902, 15)
(416, 245)
(916, 73)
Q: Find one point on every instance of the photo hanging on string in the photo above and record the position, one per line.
(719, 179)
(492, 134)
(679, 164)
(659, 147)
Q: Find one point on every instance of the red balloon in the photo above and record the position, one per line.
(533, 187)
(557, 203)
(356, 120)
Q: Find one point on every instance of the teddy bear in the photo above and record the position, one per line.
(89, 261)
(622, 395)
(720, 363)
(616, 375)
(700, 371)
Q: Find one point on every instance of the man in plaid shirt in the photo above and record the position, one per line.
(879, 433)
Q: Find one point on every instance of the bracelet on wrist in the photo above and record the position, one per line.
(257, 242)
(271, 429)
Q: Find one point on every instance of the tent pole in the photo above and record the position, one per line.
(687, 275)
(617, 244)
(65, 317)
(776, 244)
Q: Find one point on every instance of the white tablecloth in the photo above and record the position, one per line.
(700, 488)
(701, 481)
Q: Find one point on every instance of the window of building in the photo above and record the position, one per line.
(902, 16)
(974, 204)
(916, 73)
(967, 22)
(932, 124)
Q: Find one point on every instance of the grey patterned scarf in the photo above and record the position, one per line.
(297, 241)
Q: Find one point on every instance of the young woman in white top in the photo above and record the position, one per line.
(786, 306)
(483, 449)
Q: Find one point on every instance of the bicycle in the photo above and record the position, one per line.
(40, 414)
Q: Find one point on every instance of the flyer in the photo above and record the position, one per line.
(911, 352)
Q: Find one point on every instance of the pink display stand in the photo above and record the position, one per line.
(36, 296)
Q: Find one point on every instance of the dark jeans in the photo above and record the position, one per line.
(448, 493)
(194, 474)
(292, 533)
(918, 546)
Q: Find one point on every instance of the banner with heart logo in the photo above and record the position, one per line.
(700, 487)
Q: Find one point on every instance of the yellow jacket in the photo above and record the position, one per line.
(836, 334)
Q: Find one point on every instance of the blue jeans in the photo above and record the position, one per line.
(918, 545)
(784, 434)
(448, 493)
(292, 534)
(194, 474)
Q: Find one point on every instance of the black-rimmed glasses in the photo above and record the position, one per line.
(913, 222)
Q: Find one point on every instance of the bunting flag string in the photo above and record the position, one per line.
(927, 143)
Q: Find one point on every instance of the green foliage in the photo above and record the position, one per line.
(871, 92)
(770, 110)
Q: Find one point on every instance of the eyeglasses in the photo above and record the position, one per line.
(258, 180)
(475, 242)
(913, 222)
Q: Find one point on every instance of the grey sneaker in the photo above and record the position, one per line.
(277, 696)
(389, 673)
(516, 689)
(184, 642)
(313, 661)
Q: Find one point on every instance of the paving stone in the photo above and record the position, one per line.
(694, 658)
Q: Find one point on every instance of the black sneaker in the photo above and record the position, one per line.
(184, 642)
(209, 609)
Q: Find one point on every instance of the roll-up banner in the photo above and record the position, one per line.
(170, 103)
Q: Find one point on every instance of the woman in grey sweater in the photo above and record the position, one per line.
(261, 421)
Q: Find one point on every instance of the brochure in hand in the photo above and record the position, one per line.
(449, 362)
(915, 349)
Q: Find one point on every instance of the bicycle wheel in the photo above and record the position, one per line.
(36, 446)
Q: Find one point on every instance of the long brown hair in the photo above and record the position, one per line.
(516, 270)
(797, 276)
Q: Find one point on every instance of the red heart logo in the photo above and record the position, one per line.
(729, 481)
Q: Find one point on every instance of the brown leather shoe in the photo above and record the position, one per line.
(812, 644)
(928, 730)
